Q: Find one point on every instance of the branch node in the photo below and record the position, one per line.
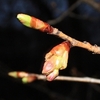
(85, 42)
(95, 45)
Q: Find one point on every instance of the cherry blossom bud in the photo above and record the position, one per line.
(53, 75)
(29, 79)
(56, 60)
(16, 74)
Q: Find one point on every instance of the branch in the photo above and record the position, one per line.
(83, 17)
(86, 45)
(66, 13)
(92, 3)
(68, 78)
(35, 23)
(59, 78)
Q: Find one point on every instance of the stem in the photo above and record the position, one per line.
(86, 45)
(68, 78)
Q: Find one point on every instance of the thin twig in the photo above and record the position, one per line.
(34, 77)
(86, 45)
(60, 18)
(75, 72)
(92, 3)
(68, 78)
(83, 17)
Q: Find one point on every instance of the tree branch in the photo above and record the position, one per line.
(60, 18)
(34, 77)
(45, 27)
(86, 45)
(92, 3)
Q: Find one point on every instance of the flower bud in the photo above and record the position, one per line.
(56, 60)
(53, 75)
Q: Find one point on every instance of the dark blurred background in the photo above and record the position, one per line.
(23, 49)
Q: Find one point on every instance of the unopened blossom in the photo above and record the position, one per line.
(56, 60)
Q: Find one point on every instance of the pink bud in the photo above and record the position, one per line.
(48, 67)
(56, 60)
(53, 75)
